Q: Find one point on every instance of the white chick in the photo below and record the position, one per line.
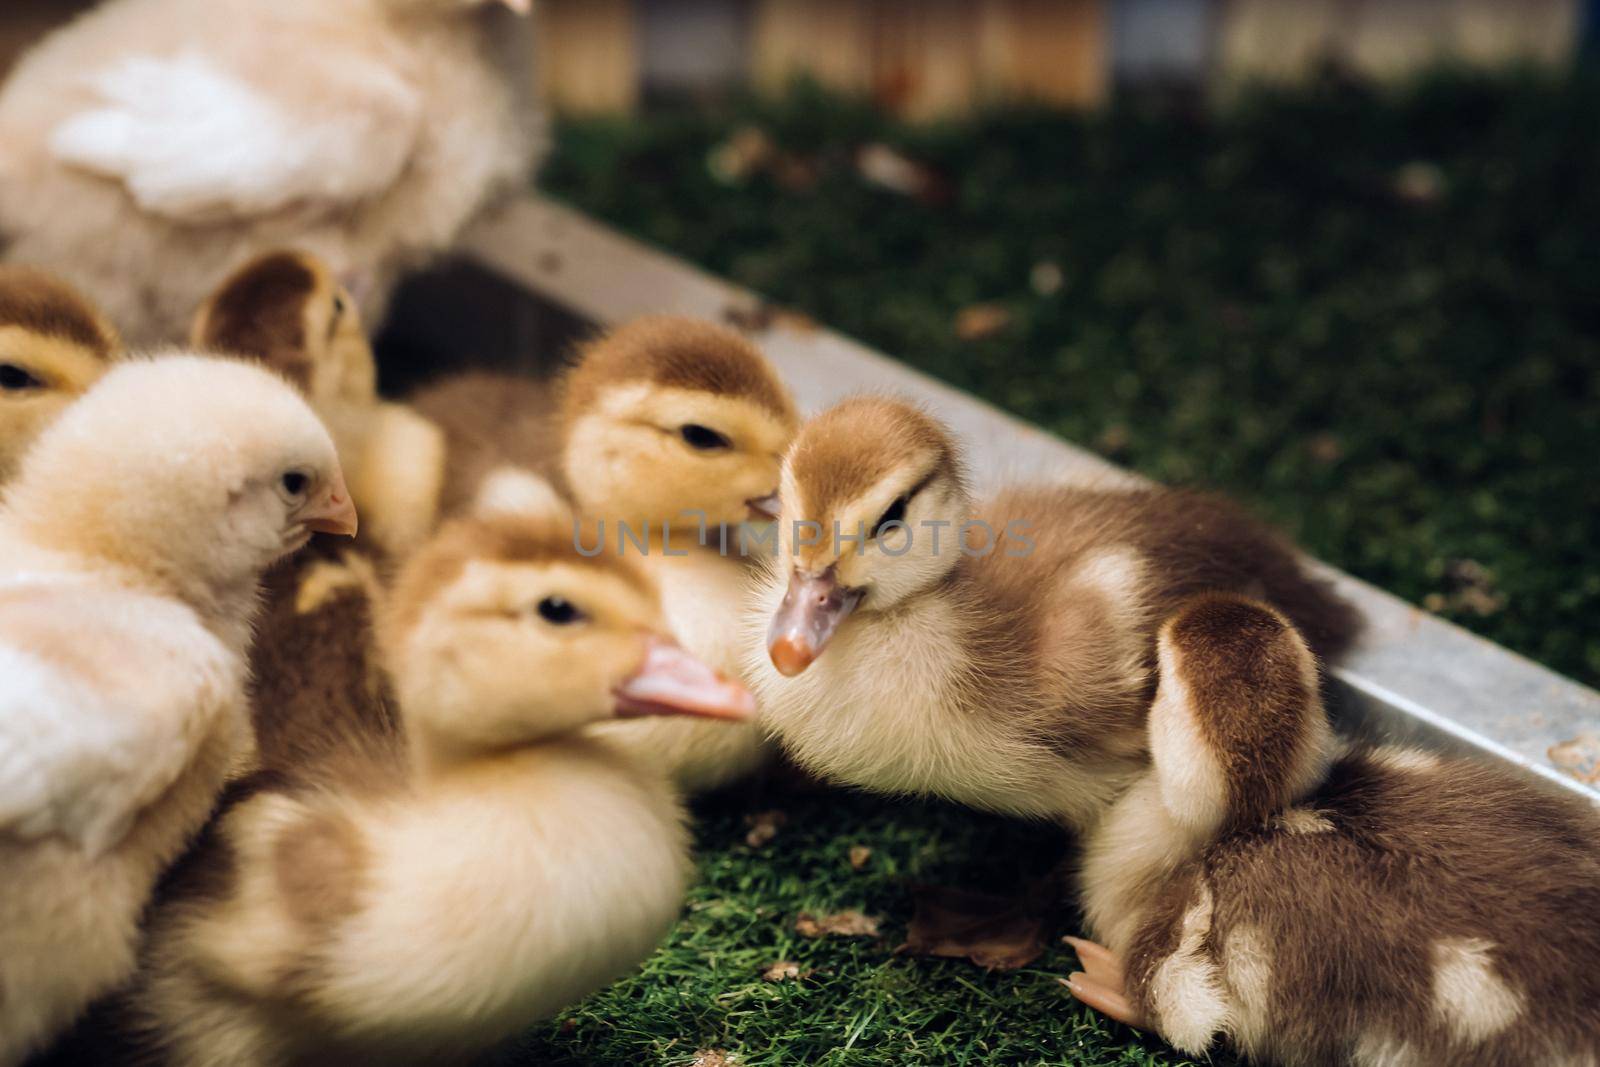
(202, 132)
(133, 538)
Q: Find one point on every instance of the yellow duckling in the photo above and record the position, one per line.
(53, 345)
(420, 903)
(666, 422)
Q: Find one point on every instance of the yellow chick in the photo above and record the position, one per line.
(53, 345)
(419, 904)
(287, 310)
(201, 132)
(133, 539)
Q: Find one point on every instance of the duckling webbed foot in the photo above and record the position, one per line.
(1102, 983)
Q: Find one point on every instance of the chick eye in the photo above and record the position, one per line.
(14, 379)
(559, 611)
(338, 305)
(896, 512)
(295, 482)
(703, 438)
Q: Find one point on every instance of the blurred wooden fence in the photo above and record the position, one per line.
(931, 57)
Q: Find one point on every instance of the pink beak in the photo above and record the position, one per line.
(333, 512)
(672, 682)
(763, 508)
(521, 7)
(804, 624)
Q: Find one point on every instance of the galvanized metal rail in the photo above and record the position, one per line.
(1413, 676)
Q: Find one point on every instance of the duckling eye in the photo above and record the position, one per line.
(295, 482)
(703, 438)
(14, 379)
(559, 611)
(896, 512)
(338, 305)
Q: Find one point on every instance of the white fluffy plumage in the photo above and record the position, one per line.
(202, 132)
(132, 538)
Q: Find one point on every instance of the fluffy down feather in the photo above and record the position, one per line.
(204, 131)
(133, 538)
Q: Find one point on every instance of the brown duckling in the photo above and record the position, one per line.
(998, 655)
(286, 309)
(54, 344)
(1316, 902)
(663, 422)
(420, 904)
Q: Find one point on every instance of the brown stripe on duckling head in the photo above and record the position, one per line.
(503, 538)
(44, 304)
(848, 449)
(681, 353)
(259, 313)
(1250, 683)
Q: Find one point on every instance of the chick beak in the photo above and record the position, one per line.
(811, 611)
(763, 508)
(672, 682)
(521, 7)
(333, 511)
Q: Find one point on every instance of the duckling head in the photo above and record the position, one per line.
(1237, 729)
(288, 310)
(667, 416)
(874, 501)
(500, 633)
(53, 345)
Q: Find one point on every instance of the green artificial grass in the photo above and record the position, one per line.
(1374, 317)
(855, 1001)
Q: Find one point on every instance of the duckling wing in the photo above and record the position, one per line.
(190, 140)
(102, 709)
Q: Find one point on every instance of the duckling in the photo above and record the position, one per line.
(1000, 655)
(663, 422)
(131, 544)
(53, 345)
(1315, 901)
(315, 663)
(424, 905)
(286, 309)
(202, 132)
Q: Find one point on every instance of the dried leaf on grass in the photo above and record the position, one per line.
(783, 971)
(996, 933)
(849, 923)
(978, 321)
(713, 1057)
(893, 170)
(1472, 589)
(859, 855)
(741, 156)
(764, 826)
